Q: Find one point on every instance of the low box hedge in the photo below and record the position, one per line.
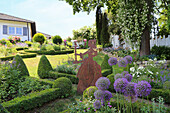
(51, 52)
(21, 48)
(106, 72)
(37, 99)
(55, 75)
(165, 94)
(27, 55)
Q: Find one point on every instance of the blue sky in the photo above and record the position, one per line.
(53, 17)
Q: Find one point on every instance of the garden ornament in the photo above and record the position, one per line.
(89, 70)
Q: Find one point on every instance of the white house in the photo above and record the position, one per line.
(14, 26)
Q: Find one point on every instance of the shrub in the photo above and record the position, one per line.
(57, 39)
(36, 99)
(44, 67)
(65, 69)
(89, 92)
(161, 51)
(106, 72)
(166, 85)
(28, 43)
(2, 109)
(55, 75)
(39, 37)
(105, 64)
(56, 47)
(112, 80)
(64, 84)
(43, 48)
(20, 65)
(3, 41)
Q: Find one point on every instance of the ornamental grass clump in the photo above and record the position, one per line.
(143, 88)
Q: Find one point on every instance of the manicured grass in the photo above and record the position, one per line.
(32, 63)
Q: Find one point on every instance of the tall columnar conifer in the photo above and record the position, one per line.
(104, 33)
(98, 23)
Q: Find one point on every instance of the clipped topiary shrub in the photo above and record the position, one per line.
(39, 37)
(105, 64)
(106, 72)
(89, 92)
(44, 67)
(112, 80)
(20, 65)
(57, 39)
(64, 84)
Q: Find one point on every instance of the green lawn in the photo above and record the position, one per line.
(32, 63)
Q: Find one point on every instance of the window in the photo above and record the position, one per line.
(11, 30)
(18, 30)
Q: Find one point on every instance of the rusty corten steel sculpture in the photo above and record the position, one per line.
(89, 70)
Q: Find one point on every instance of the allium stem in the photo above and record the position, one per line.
(123, 105)
(117, 100)
(131, 104)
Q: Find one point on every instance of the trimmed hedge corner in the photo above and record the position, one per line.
(106, 72)
(55, 75)
(51, 52)
(37, 99)
(26, 55)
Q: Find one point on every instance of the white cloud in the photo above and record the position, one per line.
(53, 17)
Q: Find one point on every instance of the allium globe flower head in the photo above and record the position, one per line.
(143, 88)
(120, 85)
(112, 61)
(128, 77)
(107, 95)
(129, 59)
(118, 75)
(124, 72)
(122, 62)
(103, 83)
(130, 89)
(97, 104)
(99, 94)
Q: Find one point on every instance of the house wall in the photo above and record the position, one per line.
(15, 24)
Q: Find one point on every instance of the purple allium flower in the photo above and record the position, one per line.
(128, 58)
(118, 75)
(124, 72)
(130, 89)
(107, 95)
(112, 61)
(122, 62)
(143, 88)
(99, 94)
(128, 77)
(97, 104)
(102, 83)
(120, 84)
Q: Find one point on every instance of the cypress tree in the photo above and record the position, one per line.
(98, 23)
(104, 33)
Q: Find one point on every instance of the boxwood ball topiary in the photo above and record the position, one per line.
(39, 37)
(89, 92)
(105, 64)
(57, 39)
(64, 84)
(44, 67)
(20, 65)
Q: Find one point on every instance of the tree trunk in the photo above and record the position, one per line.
(145, 42)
